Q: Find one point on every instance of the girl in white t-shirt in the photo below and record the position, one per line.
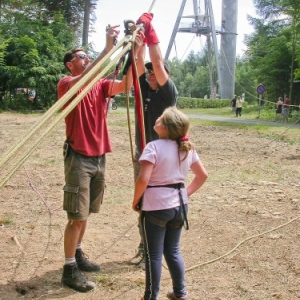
(165, 164)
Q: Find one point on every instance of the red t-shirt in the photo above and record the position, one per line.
(86, 124)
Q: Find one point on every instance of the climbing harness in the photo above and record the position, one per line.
(177, 186)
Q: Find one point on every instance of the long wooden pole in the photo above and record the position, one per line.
(151, 7)
(92, 77)
(59, 104)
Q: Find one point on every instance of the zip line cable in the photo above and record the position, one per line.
(187, 48)
(254, 96)
(265, 101)
(241, 243)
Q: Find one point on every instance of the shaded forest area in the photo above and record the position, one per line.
(35, 34)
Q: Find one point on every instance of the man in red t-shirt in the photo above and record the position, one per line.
(87, 141)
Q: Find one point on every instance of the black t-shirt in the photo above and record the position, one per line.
(154, 103)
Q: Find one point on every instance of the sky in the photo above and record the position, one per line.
(114, 12)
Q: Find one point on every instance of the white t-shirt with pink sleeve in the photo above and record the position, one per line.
(167, 169)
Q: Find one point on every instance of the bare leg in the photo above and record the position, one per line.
(73, 235)
(82, 231)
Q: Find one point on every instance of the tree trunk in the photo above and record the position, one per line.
(86, 23)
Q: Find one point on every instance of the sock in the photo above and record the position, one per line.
(78, 247)
(70, 261)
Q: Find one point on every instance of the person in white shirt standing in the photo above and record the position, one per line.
(239, 106)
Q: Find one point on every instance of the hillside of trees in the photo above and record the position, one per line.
(35, 34)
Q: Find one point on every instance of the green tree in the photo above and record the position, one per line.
(77, 13)
(192, 75)
(273, 48)
(245, 80)
(33, 55)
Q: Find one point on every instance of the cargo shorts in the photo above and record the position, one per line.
(84, 185)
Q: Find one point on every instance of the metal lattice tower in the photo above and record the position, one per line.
(204, 24)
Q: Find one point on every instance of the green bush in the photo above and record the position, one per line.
(185, 102)
(121, 101)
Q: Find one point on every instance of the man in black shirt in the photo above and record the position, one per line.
(158, 92)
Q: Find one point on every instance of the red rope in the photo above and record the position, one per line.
(139, 108)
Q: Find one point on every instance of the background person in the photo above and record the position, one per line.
(239, 106)
(87, 141)
(165, 164)
(278, 111)
(286, 109)
(233, 105)
(158, 92)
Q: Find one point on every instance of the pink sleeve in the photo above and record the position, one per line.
(195, 156)
(149, 153)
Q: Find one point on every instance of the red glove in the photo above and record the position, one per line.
(150, 34)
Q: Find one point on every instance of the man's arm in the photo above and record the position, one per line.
(154, 49)
(158, 64)
(141, 60)
(141, 183)
(111, 36)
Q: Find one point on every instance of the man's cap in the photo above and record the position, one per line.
(149, 66)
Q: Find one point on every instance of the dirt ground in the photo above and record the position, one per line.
(243, 241)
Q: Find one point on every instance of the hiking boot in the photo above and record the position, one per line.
(172, 296)
(84, 264)
(75, 280)
(138, 258)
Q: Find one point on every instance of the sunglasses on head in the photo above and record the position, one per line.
(81, 56)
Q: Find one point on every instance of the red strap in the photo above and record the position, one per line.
(139, 108)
